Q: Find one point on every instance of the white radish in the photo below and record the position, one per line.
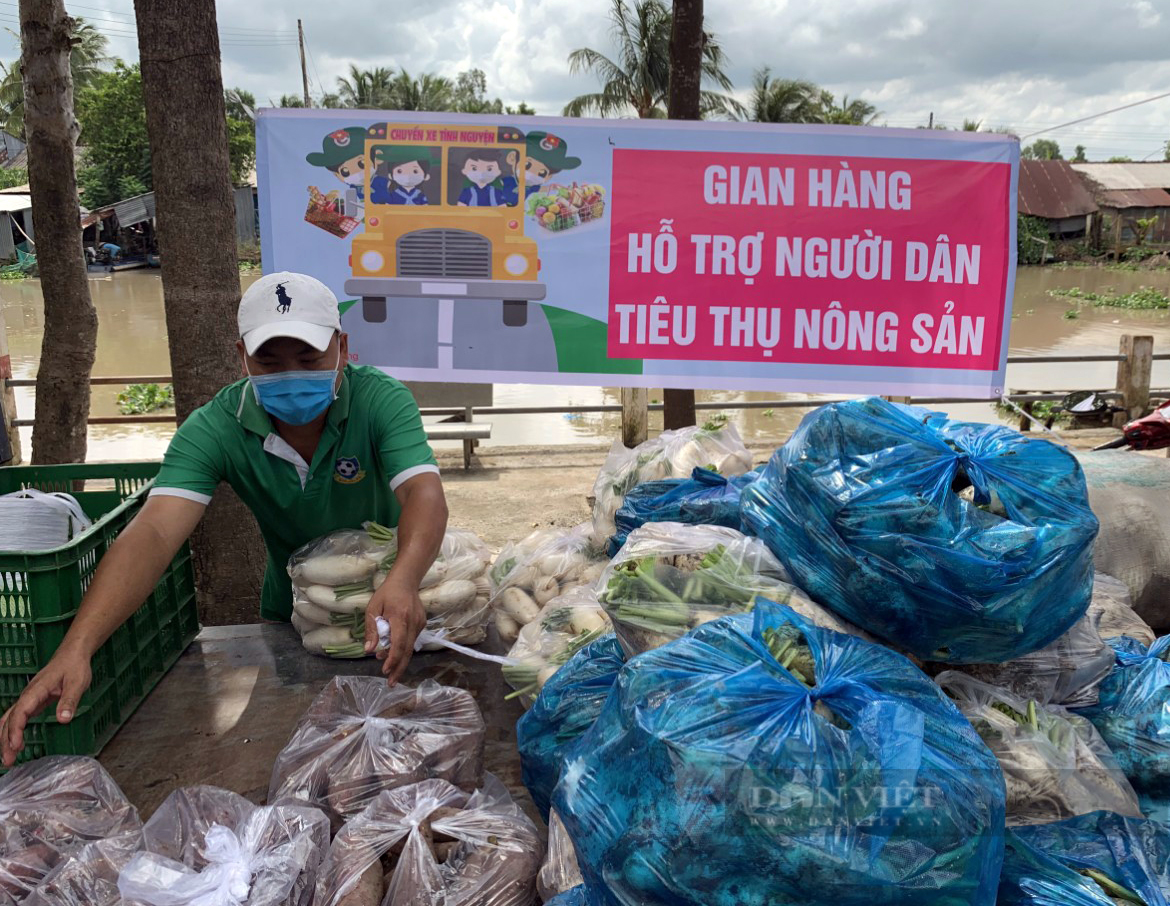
(465, 566)
(587, 619)
(508, 628)
(517, 604)
(325, 597)
(311, 612)
(337, 569)
(318, 640)
(480, 602)
(545, 675)
(591, 574)
(453, 595)
(301, 625)
(523, 577)
(545, 590)
(483, 585)
(435, 575)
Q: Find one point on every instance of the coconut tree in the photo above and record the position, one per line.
(86, 61)
(427, 92)
(785, 100)
(848, 112)
(366, 88)
(637, 80)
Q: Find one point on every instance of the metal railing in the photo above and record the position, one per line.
(1133, 396)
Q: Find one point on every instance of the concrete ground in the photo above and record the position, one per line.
(509, 491)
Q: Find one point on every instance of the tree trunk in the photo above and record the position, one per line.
(185, 119)
(70, 339)
(683, 103)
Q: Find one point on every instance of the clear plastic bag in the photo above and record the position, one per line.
(703, 498)
(560, 872)
(1130, 855)
(545, 565)
(672, 454)
(432, 843)
(1112, 608)
(90, 876)
(335, 577)
(210, 847)
(1055, 764)
(562, 627)
(1066, 672)
(1128, 494)
(962, 543)
(360, 737)
(49, 810)
(781, 780)
(566, 708)
(669, 578)
(574, 897)
(1132, 714)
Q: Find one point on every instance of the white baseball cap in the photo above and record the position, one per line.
(288, 305)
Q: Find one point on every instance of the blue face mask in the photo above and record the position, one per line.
(295, 397)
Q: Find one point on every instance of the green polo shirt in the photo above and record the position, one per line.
(373, 442)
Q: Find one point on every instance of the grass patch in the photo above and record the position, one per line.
(1042, 410)
(1145, 298)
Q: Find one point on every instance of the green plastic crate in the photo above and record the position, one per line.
(40, 592)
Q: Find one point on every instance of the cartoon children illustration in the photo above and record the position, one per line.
(483, 169)
(343, 154)
(547, 156)
(407, 168)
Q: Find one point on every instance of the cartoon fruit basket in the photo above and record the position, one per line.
(324, 211)
(559, 208)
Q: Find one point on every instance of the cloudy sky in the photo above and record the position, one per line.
(1025, 65)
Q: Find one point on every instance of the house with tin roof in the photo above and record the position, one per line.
(1133, 198)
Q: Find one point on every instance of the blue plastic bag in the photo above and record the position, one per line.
(863, 507)
(566, 707)
(714, 776)
(706, 498)
(574, 897)
(1031, 877)
(1132, 714)
(1126, 851)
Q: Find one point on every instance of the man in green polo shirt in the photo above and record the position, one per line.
(310, 444)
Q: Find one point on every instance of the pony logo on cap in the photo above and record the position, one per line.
(283, 301)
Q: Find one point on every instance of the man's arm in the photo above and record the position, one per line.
(124, 579)
(420, 535)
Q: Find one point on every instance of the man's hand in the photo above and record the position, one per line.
(398, 604)
(65, 678)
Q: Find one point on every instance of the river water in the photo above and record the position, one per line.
(132, 341)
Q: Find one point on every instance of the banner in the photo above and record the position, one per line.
(651, 253)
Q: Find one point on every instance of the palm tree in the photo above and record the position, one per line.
(366, 88)
(639, 79)
(86, 61)
(427, 92)
(854, 112)
(785, 100)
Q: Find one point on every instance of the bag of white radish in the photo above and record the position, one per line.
(211, 847)
(49, 810)
(562, 627)
(1055, 764)
(360, 737)
(530, 573)
(669, 578)
(672, 454)
(432, 843)
(335, 577)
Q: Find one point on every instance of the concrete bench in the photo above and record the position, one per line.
(468, 432)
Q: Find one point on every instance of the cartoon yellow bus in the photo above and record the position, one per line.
(444, 219)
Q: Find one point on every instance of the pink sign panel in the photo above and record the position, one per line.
(804, 259)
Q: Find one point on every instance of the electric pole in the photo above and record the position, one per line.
(304, 71)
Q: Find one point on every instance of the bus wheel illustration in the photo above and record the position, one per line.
(515, 312)
(374, 309)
